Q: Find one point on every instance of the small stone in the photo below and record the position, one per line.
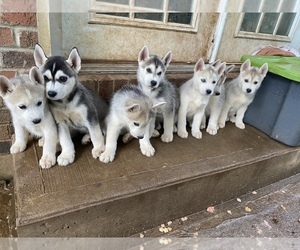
(229, 212)
(239, 200)
(248, 209)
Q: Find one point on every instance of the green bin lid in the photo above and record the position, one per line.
(288, 67)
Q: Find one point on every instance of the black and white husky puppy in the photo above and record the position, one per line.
(74, 106)
(151, 79)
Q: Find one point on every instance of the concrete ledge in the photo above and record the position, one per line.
(134, 193)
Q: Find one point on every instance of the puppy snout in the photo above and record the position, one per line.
(36, 121)
(249, 90)
(153, 83)
(208, 91)
(140, 137)
(52, 94)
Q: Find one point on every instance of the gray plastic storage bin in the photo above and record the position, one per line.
(275, 109)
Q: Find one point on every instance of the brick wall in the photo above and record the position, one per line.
(18, 35)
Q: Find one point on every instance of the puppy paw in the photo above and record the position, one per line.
(86, 139)
(155, 133)
(203, 126)
(107, 156)
(96, 152)
(212, 130)
(17, 148)
(174, 129)
(66, 158)
(41, 142)
(221, 125)
(127, 138)
(167, 138)
(182, 134)
(197, 134)
(240, 125)
(147, 150)
(47, 161)
(232, 119)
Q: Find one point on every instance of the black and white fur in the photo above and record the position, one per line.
(240, 92)
(74, 106)
(131, 111)
(151, 79)
(216, 102)
(25, 97)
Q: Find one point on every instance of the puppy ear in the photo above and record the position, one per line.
(229, 68)
(157, 105)
(216, 63)
(74, 60)
(199, 66)
(39, 56)
(6, 86)
(143, 55)
(245, 66)
(167, 59)
(36, 76)
(131, 106)
(221, 68)
(264, 69)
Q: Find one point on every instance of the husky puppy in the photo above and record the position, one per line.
(216, 101)
(194, 96)
(151, 79)
(74, 106)
(240, 92)
(130, 111)
(25, 98)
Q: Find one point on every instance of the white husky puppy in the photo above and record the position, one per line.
(130, 111)
(74, 106)
(151, 79)
(25, 98)
(216, 102)
(194, 96)
(240, 92)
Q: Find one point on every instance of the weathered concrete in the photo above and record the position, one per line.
(6, 167)
(135, 193)
(272, 211)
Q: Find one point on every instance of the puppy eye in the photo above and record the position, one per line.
(256, 82)
(63, 79)
(159, 73)
(46, 79)
(39, 103)
(22, 106)
(149, 70)
(136, 124)
(203, 80)
(213, 82)
(246, 80)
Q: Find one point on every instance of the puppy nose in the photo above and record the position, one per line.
(153, 83)
(37, 121)
(249, 90)
(140, 137)
(52, 94)
(208, 91)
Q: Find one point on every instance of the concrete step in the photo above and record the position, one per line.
(135, 193)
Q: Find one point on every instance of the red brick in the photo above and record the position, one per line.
(9, 73)
(23, 19)
(18, 6)
(6, 37)
(28, 39)
(17, 59)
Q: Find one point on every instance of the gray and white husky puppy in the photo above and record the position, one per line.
(216, 102)
(195, 95)
(130, 111)
(152, 80)
(240, 92)
(25, 97)
(74, 106)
